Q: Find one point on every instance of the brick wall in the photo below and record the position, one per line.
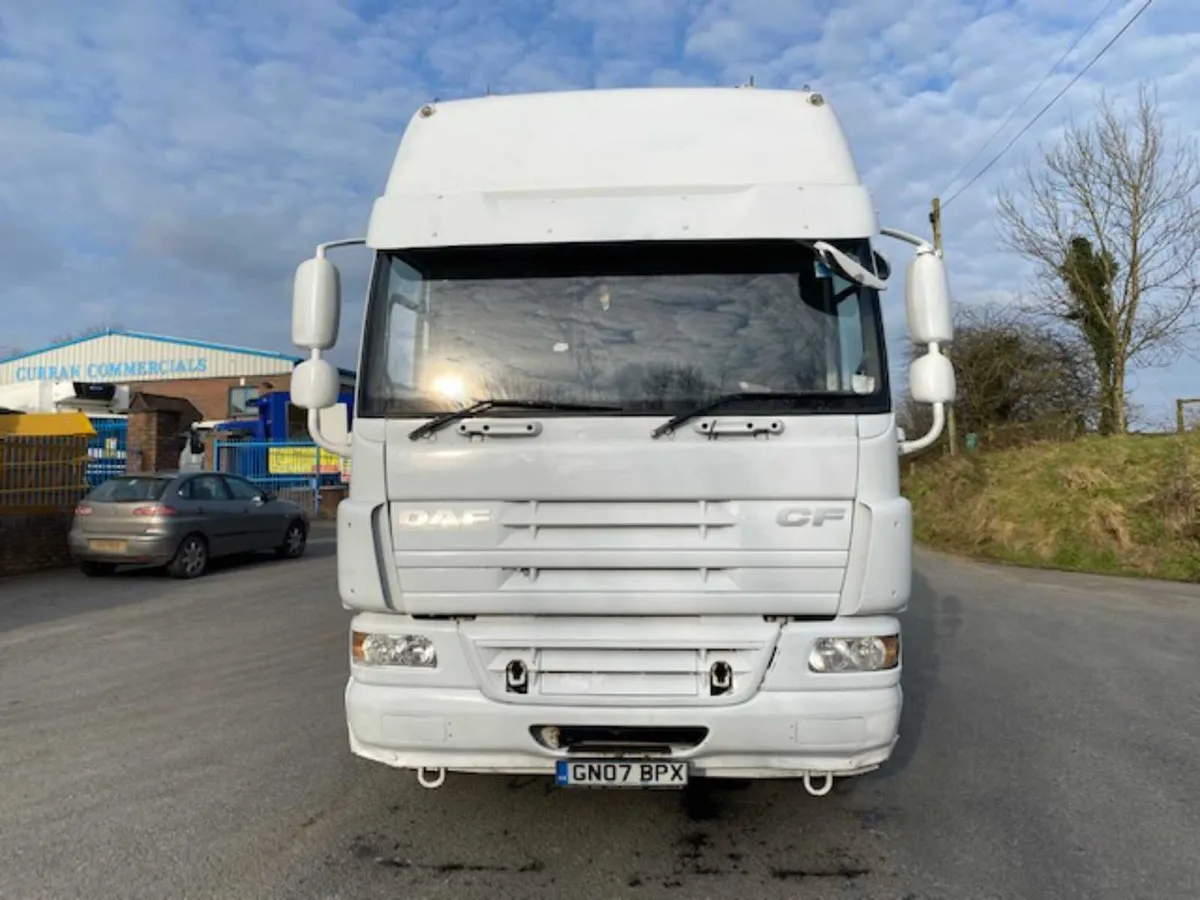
(211, 395)
(139, 436)
(30, 542)
(154, 440)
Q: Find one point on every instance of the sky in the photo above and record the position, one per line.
(165, 165)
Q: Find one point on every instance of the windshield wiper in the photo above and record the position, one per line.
(724, 400)
(467, 412)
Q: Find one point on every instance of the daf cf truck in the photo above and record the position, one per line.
(625, 506)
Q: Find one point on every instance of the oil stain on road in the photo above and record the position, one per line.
(769, 840)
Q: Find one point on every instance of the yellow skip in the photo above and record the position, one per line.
(45, 425)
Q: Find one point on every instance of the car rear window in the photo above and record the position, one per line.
(133, 489)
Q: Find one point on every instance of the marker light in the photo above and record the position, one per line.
(855, 654)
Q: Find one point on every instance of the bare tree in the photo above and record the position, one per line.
(1109, 218)
(82, 333)
(1013, 371)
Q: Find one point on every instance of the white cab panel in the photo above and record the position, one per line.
(594, 517)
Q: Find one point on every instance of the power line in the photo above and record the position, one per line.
(1016, 109)
(1045, 109)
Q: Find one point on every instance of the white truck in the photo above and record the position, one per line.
(625, 506)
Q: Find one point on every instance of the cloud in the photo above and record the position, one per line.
(168, 163)
(25, 254)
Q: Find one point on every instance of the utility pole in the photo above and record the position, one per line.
(935, 219)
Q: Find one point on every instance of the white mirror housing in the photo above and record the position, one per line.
(316, 304)
(931, 379)
(315, 384)
(928, 300)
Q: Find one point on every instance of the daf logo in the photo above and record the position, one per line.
(443, 518)
(798, 516)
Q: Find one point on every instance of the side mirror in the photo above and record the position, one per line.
(928, 300)
(316, 304)
(195, 443)
(315, 384)
(931, 379)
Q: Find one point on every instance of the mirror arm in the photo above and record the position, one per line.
(345, 242)
(318, 436)
(314, 427)
(935, 432)
(922, 245)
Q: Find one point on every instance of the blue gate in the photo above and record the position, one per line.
(106, 451)
(295, 470)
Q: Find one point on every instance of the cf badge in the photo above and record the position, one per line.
(799, 516)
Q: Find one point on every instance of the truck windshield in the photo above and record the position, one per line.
(641, 328)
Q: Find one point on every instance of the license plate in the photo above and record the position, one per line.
(109, 546)
(621, 774)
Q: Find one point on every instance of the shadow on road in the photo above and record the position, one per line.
(920, 623)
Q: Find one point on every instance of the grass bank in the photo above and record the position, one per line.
(1118, 506)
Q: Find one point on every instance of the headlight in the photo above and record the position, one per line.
(411, 650)
(858, 654)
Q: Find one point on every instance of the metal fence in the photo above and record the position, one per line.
(42, 472)
(107, 450)
(295, 470)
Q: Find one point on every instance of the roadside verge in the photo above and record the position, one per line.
(1114, 506)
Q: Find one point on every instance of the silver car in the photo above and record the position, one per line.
(181, 520)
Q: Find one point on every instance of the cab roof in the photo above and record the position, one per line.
(623, 138)
(635, 164)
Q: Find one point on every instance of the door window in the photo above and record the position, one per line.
(204, 487)
(242, 490)
(240, 402)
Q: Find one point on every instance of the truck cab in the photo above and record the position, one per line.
(626, 505)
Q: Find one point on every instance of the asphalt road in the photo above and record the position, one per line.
(167, 739)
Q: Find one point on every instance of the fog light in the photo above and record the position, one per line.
(410, 650)
(855, 654)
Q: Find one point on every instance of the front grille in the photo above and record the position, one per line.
(621, 661)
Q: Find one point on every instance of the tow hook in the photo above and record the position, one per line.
(431, 778)
(826, 785)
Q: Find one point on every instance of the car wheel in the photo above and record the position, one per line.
(294, 541)
(191, 559)
(94, 569)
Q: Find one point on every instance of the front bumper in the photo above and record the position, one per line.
(138, 549)
(774, 734)
(779, 719)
